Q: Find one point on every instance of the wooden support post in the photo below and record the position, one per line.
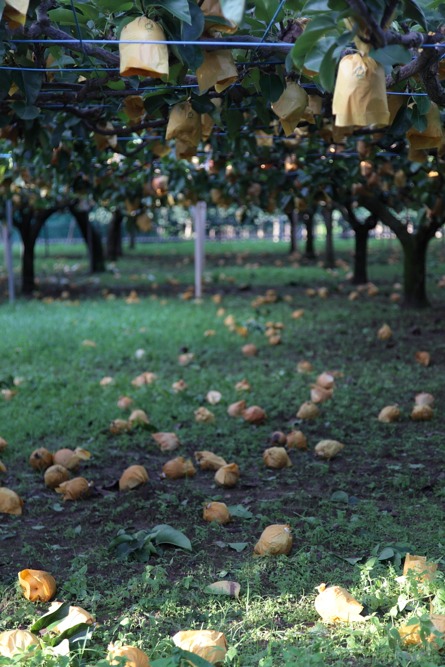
(199, 213)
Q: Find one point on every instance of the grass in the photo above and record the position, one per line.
(386, 489)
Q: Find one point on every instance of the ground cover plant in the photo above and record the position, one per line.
(353, 518)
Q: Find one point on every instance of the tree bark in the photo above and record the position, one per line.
(114, 236)
(360, 273)
(30, 224)
(131, 238)
(293, 220)
(414, 273)
(308, 219)
(329, 259)
(361, 235)
(92, 238)
(28, 275)
(414, 246)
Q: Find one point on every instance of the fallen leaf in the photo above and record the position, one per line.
(231, 588)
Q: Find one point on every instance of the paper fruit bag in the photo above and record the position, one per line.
(141, 59)
(290, 107)
(360, 93)
(15, 12)
(218, 69)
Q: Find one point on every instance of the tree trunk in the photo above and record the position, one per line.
(293, 219)
(414, 272)
(329, 260)
(308, 219)
(30, 223)
(361, 235)
(92, 239)
(114, 237)
(132, 238)
(28, 276)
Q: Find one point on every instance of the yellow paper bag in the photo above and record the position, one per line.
(416, 155)
(139, 58)
(314, 108)
(218, 69)
(15, 12)
(207, 121)
(159, 149)
(102, 141)
(424, 570)
(184, 123)
(395, 102)
(263, 140)
(134, 107)
(184, 150)
(432, 136)
(290, 107)
(212, 8)
(360, 93)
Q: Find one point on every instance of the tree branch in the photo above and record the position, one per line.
(377, 36)
(382, 212)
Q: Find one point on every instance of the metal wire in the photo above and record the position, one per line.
(172, 42)
(272, 21)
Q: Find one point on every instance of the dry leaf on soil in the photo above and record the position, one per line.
(231, 588)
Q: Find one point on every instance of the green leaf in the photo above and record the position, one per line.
(192, 32)
(178, 8)
(328, 69)
(314, 31)
(240, 512)
(423, 104)
(65, 17)
(194, 659)
(234, 120)
(415, 12)
(78, 633)
(314, 6)
(30, 83)
(233, 10)
(192, 56)
(271, 87)
(202, 103)
(339, 497)
(237, 546)
(164, 534)
(48, 619)
(25, 111)
(386, 554)
(5, 84)
(395, 54)
(264, 11)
